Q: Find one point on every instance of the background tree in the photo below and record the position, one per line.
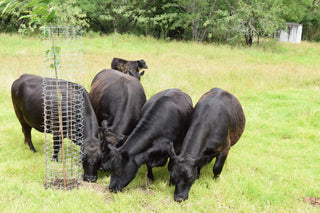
(296, 10)
(197, 15)
(32, 13)
(199, 20)
(69, 13)
(311, 22)
(9, 21)
(253, 19)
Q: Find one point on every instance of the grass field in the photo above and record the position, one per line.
(273, 168)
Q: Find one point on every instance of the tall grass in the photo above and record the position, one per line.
(271, 169)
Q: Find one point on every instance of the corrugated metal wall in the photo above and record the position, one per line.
(292, 34)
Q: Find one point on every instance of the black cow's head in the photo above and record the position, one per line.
(91, 159)
(183, 173)
(123, 169)
(136, 71)
(109, 138)
(142, 64)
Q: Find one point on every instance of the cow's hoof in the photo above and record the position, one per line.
(216, 177)
(150, 177)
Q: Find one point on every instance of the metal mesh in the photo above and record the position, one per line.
(63, 106)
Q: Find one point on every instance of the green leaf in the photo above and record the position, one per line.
(23, 17)
(51, 16)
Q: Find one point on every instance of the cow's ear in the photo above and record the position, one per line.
(172, 153)
(115, 156)
(142, 73)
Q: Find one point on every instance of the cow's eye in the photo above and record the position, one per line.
(188, 176)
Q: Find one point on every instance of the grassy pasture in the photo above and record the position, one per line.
(274, 166)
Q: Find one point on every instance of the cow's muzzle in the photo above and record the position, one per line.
(90, 178)
(179, 198)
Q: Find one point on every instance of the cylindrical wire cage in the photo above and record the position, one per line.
(63, 106)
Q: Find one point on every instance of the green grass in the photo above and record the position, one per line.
(272, 168)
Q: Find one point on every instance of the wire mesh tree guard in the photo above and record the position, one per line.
(63, 106)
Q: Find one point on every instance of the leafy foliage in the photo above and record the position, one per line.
(69, 13)
(251, 19)
(199, 20)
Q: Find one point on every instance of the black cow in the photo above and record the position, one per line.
(129, 67)
(28, 103)
(117, 100)
(217, 123)
(162, 127)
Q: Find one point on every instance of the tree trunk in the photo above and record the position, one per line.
(130, 18)
(114, 27)
(204, 33)
(194, 25)
(248, 39)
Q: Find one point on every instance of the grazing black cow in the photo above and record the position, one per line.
(163, 124)
(217, 123)
(28, 103)
(117, 100)
(129, 67)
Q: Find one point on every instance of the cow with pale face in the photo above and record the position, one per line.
(129, 67)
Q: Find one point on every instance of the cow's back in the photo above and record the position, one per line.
(117, 98)
(224, 106)
(165, 115)
(169, 108)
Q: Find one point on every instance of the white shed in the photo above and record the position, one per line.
(292, 34)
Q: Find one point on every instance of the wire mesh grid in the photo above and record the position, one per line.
(63, 106)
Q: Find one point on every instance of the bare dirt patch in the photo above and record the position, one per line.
(94, 186)
(146, 191)
(97, 188)
(314, 201)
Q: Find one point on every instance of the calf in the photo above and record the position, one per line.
(117, 100)
(28, 100)
(217, 123)
(163, 124)
(129, 67)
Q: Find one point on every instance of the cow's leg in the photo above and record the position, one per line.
(198, 172)
(26, 129)
(56, 146)
(220, 159)
(171, 182)
(150, 174)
